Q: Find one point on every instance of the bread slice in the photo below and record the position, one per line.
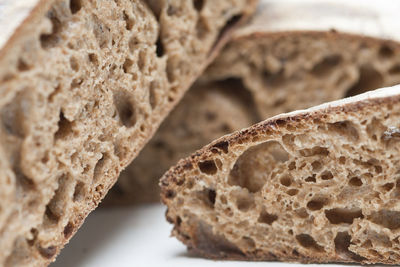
(274, 64)
(83, 86)
(315, 185)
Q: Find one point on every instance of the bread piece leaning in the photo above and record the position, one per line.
(83, 86)
(274, 64)
(315, 185)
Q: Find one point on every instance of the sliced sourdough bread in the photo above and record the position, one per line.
(315, 185)
(83, 86)
(277, 63)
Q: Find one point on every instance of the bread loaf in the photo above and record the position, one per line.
(315, 185)
(83, 86)
(276, 63)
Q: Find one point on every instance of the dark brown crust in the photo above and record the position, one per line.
(268, 127)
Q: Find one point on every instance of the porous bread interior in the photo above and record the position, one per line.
(288, 71)
(82, 88)
(206, 112)
(272, 73)
(323, 187)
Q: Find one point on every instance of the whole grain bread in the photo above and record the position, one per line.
(83, 86)
(315, 185)
(274, 64)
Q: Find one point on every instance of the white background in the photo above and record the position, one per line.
(135, 236)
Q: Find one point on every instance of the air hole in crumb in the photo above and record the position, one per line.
(99, 168)
(34, 233)
(125, 109)
(170, 194)
(292, 192)
(355, 181)
(93, 59)
(207, 196)
(252, 174)
(79, 192)
(64, 127)
(340, 215)
(387, 187)
(292, 165)
(386, 51)
(244, 200)
(317, 203)
(342, 242)
(101, 31)
(22, 65)
(201, 28)
(159, 48)
(208, 167)
(346, 129)
(342, 160)
(68, 229)
(198, 4)
(48, 252)
(55, 209)
(286, 181)
(316, 166)
(223, 145)
(74, 63)
(326, 175)
(267, 218)
(128, 21)
(302, 213)
(50, 40)
(311, 179)
(369, 79)
(211, 196)
(127, 65)
(315, 151)
(13, 116)
(386, 218)
(326, 65)
(75, 6)
(308, 242)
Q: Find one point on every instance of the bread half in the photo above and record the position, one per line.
(83, 86)
(315, 185)
(276, 63)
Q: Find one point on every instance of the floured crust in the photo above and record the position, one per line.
(200, 182)
(83, 86)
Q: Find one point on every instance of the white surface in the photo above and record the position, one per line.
(366, 17)
(135, 236)
(12, 14)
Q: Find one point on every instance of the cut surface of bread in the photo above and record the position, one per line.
(316, 185)
(272, 65)
(205, 113)
(83, 86)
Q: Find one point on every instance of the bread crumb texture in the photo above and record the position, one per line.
(320, 186)
(259, 75)
(83, 86)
